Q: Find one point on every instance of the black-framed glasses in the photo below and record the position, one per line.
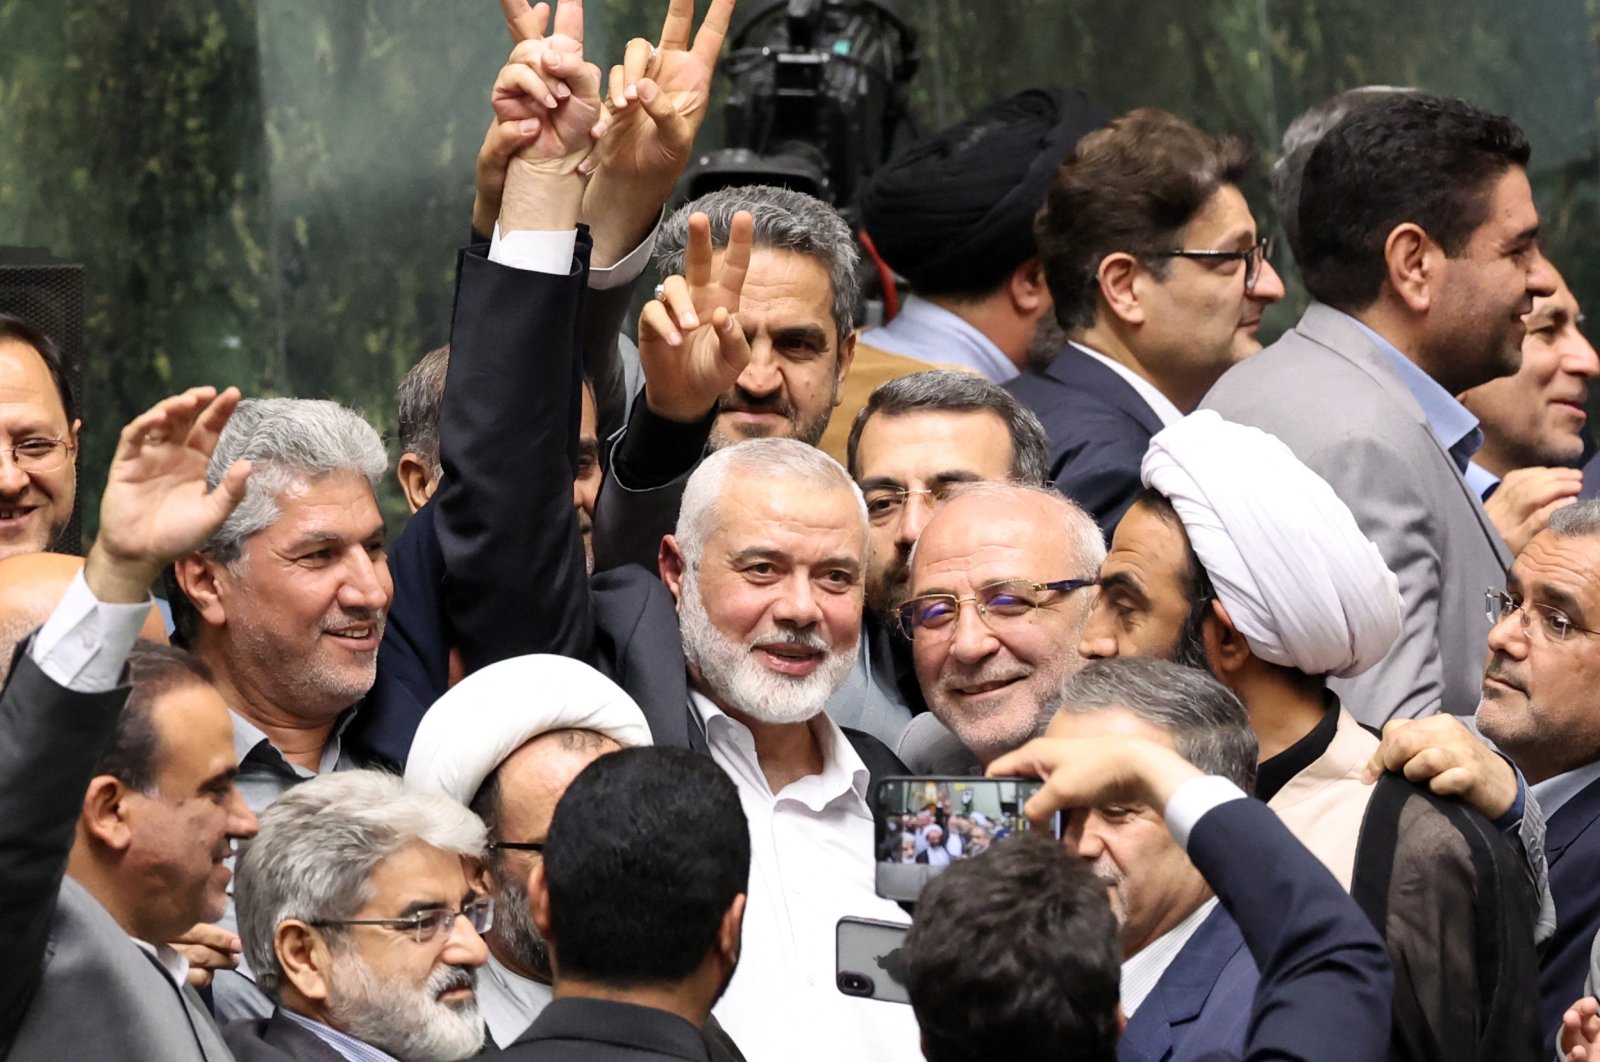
(39, 455)
(429, 922)
(517, 846)
(886, 503)
(996, 602)
(1554, 624)
(1252, 257)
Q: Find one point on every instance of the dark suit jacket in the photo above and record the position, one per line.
(1572, 845)
(593, 1030)
(1325, 984)
(276, 1039)
(1202, 1003)
(1099, 429)
(72, 983)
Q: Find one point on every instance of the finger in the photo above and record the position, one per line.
(708, 42)
(519, 85)
(656, 323)
(733, 346)
(636, 61)
(676, 26)
(675, 293)
(1454, 781)
(569, 19)
(211, 420)
(673, 128)
(697, 256)
(615, 94)
(736, 262)
(156, 423)
(580, 79)
(197, 977)
(1379, 763)
(210, 936)
(525, 23)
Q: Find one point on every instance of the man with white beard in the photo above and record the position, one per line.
(359, 920)
(767, 566)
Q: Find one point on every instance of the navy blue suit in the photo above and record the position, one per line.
(1572, 847)
(1099, 429)
(1202, 1003)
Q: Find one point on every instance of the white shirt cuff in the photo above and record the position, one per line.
(537, 252)
(628, 268)
(1193, 800)
(85, 642)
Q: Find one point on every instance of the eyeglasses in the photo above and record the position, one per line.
(996, 603)
(1553, 623)
(1251, 257)
(517, 846)
(39, 455)
(430, 921)
(885, 503)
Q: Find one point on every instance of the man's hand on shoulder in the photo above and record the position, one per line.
(1440, 752)
(1523, 503)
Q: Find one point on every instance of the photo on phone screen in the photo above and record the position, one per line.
(869, 963)
(926, 823)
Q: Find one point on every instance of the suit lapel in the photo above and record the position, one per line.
(1570, 820)
(1185, 986)
(1079, 372)
(1340, 335)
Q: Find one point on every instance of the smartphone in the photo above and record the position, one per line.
(869, 962)
(925, 823)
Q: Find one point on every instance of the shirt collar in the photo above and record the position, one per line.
(170, 959)
(1481, 480)
(1278, 771)
(1159, 403)
(249, 740)
(1554, 792)
(843, 774)
(929, 332)
(1451, 422)
(347, 1046)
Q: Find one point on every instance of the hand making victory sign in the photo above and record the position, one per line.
(691, 344)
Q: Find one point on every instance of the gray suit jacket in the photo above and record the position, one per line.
(1333, 396)
(73, 984)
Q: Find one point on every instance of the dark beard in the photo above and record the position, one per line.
(1049, 339)
(1190, 648)
(514, 930)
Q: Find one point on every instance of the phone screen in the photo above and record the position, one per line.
(924, 824)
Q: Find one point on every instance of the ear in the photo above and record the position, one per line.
(105, 813)
(1029, 294)
(479, 879)
(1413, 262)
(729, 933)
(671, 565)
(847, 357)
(197, 577)
(1225, 646)
(307, 963)
(417, 480)
(539, 900)
(1118, 277)
(77, 426)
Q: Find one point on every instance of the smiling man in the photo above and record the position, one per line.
(38, 440)
(1159, 278)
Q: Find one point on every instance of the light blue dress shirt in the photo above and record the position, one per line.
(932, 333)
(347, 1046)
(1452, 423)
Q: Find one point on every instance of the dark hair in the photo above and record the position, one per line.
(1208, 724)
(1190, 649)
(1408, 157)
(1015, 956)
(418, 400)
(153, 671)
(15, 328)
(647, 850)
(1129, 187)
(954, 391)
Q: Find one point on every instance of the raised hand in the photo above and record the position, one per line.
(156, 507)
(1580, 1031)
(691, 345)
(546, 79)
(1521, 506)
(1085, 772)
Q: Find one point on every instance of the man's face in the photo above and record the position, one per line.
(1151, 883)
(182, 831)
(1201, 320)
(772, 618)
(1476, 328)
(415, 1000)
(1144, 596)
(1541, 696)
(586, 485)
(1536, 417)
(790, 386)
(305, 603)
(532, 780)
(924, 452)
(995, 680)
(34, 505)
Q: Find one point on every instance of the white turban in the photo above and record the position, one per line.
(493, 712)
(1300, 581)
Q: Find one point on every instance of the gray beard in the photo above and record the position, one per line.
(514, 931)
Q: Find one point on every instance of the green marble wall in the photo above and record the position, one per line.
(270, 192)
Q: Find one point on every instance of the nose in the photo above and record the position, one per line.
(1509, 636)
(1541, 275)
(1078, 838)
(797, 605)
(1578, 356)
(13, 480)
(367, 584)
(584, 491)
(761, 376)
(1268, 287)
(973, 639)
(1099, 641)
(914, 516)
(241, 820)
(465, 946)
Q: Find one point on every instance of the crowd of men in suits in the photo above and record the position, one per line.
(1302, 642)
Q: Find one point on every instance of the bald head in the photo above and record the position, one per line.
(31, 586)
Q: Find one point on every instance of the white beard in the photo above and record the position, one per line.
(730, 669)
(412, 1024)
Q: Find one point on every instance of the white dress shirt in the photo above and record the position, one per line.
(85, 642)
(1159, 403)
(1144, 971)
(811, 863)
(508, 1001)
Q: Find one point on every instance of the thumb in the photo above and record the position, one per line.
(732, 346)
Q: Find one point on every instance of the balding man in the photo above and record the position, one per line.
(38, 440)
(1001, 580)
(1241, 562)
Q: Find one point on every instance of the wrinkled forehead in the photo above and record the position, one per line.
(797, 514)
(1561, 570)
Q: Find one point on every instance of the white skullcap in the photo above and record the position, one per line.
(493, 712)
(1300, 581)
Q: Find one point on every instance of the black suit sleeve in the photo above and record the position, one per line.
(1100, 468)
(50, 740)
(515, 578)
(1326, 983)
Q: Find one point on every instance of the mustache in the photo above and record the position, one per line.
(449, 978)
(990, 672)
(1500, 668)
(741, 401)
(789, 636)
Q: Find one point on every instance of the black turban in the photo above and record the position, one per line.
(953, 214)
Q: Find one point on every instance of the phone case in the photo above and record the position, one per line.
(869, 959)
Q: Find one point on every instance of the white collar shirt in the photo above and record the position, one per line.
(811, 863)
(508, 1001)
(1159, 404)
(1144, 971)
(170, 960)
